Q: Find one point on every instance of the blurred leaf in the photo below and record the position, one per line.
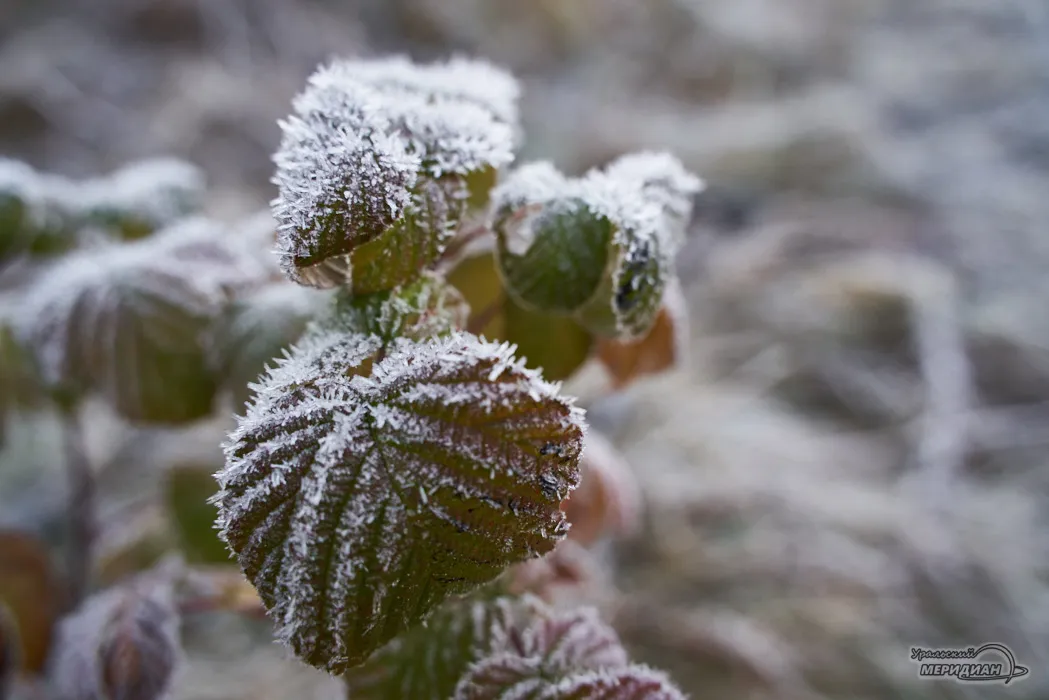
(608, 499)
(444, 466)
(133, 544)
(477, 278)
(134, 323)
(30, 589)
(429, 660)
(662, 348)
(555, 344)
(142, 197)
(121, 644)
(187, 490)
(258, 328)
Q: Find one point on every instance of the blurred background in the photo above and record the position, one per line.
(852, 458)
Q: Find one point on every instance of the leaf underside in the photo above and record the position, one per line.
(357, 504)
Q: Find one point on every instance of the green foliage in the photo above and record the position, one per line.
(187, 491)
(389, 461)
(356, 504)
(45, 215)
(426, 308)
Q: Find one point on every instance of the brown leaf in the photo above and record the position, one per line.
(121, 644)
(31, 591)
(664, 347)
(607, 500)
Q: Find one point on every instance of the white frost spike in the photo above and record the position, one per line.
(459, 78)
(343, 176)
(354, 150)
(357, 502)
(664, 180)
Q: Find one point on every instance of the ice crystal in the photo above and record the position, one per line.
(356, 502)
(559, 656)
(458, 79)
(358, 148)
(423, 309)
(121, 643)
(663, 180)
(343, 176)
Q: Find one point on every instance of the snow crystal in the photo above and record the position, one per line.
(361, 134)
(663, 180)
(459, 79)
(340, 172)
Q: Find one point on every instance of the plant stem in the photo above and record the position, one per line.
(81, 515)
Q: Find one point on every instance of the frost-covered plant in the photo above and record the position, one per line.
(403, 457)
(393, 459)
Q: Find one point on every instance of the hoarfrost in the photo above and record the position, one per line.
(459, 78)
(362, 134)
(353, 500)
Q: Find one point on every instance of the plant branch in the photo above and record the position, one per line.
(81, 506)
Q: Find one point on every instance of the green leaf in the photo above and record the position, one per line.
(357, 504)
(426, 308)
(414, 243)
(561, 656)
(557, 345)
(133, 322)
(429, 660)
(258, 328)
(563, 254)
(188, 489)
(627, 303)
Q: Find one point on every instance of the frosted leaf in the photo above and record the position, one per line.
(33, 212)
(343, 176)
(132, 322)
(663, 347)
(664, 180)
(122, 644)
(596, 247)
(459, 78)
(358, 502)
(429, 660)
(634, 682)
(259, 327)
(423, 309)
(142, 197)
(413, 244)
(356, 158)
(553, 649)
